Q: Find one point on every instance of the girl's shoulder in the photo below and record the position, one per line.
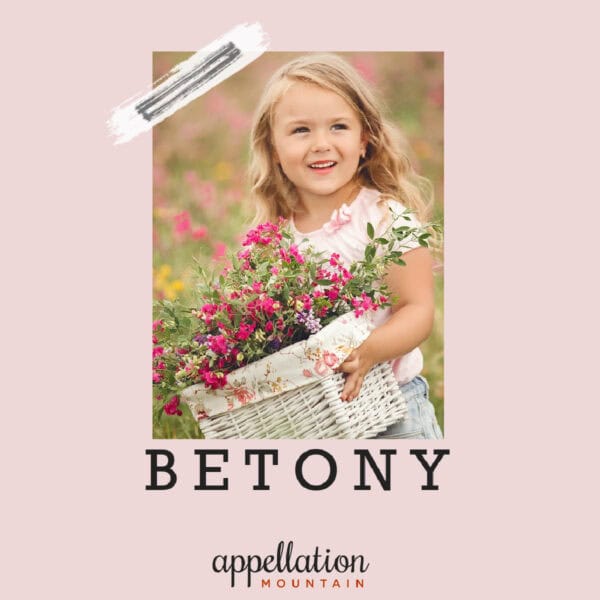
(379, 209)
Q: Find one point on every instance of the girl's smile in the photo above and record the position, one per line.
(323, 166)
(318, 142)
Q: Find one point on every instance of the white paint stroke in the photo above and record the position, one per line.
(243, 44)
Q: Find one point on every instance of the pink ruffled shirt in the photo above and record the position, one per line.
(346, 234)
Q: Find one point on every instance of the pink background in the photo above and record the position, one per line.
(513, 517)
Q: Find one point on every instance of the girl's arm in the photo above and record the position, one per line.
(409, 325)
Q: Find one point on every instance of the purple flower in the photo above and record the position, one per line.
(310, 322)
(275, 344)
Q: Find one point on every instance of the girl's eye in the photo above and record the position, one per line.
(300, 130)
(339, 126)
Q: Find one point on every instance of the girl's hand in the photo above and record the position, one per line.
(356, 366)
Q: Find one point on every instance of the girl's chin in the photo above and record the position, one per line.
(323, 192)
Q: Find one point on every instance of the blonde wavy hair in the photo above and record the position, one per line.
(386, 166)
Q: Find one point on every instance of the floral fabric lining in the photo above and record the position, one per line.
(290, 368)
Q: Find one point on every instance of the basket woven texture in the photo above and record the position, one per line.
(315, 411)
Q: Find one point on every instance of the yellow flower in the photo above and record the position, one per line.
(223, 171)
(164, 271)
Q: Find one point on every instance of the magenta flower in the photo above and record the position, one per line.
(218, 344)
(245, 331)
(199, 233)
(296, 254)
(273, 296)
(172, 407)
(183, 222)
(219, 250)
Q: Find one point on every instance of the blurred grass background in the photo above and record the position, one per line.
(200, 155)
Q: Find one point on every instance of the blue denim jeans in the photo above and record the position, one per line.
(420, 421)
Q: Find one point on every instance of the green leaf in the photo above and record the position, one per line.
(370, 231)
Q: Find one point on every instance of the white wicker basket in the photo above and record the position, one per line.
(315, 411)
(295, 392)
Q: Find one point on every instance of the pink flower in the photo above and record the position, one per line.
(214, 380)
(219, 250)
(330, 358)
(191, 178)
(199, 233)
(367, 67)
(296, 254)
(333, 294)
(306, 301)
(263, 235)
(182, 222)
(157, 351)
(244, 254)
(218, 344)
(363, 304)
(307, 373)
(243, 395)
(321, 367)
(269, 306)
(245, 331)
(172, 407)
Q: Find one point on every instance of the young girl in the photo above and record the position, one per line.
(323, 157)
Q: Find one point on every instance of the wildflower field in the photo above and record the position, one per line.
(200, 199)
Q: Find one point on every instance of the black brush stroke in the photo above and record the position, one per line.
(214, 62)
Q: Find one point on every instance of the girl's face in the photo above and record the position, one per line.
(318, 142)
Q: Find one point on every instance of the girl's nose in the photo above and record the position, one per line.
(320, 143)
